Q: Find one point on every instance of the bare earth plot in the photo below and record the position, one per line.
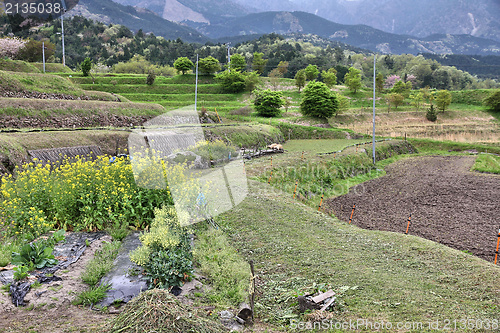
(449, 204)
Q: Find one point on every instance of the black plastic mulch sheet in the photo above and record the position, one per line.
(72, 249)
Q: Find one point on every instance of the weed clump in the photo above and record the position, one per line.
(157, 310)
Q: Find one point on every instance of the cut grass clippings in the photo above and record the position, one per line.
(157, 310)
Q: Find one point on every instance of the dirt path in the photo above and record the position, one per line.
(449, 204)
(49, 308)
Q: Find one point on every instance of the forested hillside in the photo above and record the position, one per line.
(108, 45)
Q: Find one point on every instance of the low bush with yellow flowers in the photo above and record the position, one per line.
(79, 194)
(165, 252)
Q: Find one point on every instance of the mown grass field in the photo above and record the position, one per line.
(379, 276)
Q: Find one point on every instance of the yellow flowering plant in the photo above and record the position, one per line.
(79, 194)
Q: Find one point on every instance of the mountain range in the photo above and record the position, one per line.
(221, 20)
(421, 18)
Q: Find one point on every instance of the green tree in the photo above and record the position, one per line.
(209, 65)
(329, 77)
(379, 82)
(274, 77)
(443, 99)
(259, 63)
(283, 67)
(252, 79)
(417, 97)
(402, 88)
(300, 79)
(492, 102)
(86, 66)
(268, 103)
(312, 72)
(231, 81)
(395, 100)
(150, 80)
(352, 79)
(183, 64)
(431, 114)
(238, 62)
(32, 51)
(318, 101)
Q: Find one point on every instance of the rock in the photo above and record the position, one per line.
(228, 319)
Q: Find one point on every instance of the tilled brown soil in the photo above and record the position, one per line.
(448, 203)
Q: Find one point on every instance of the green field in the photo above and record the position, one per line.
(487, 163)
(320, 146)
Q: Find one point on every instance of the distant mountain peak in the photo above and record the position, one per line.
(177, 12)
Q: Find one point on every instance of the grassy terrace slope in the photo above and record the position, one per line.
(26, 83)
(392, 277)
(169, 92)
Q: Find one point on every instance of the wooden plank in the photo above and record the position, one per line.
(323, 296)
(328, 304)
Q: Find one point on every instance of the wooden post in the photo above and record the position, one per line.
(252, 289)
(220, 121)
(352, 213)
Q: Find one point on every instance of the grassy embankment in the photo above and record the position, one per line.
(171, 93)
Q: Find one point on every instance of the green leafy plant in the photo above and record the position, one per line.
(38, 253)
(21, 272)
(169, 267)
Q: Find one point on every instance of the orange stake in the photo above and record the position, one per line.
(353, 208)
(302, 157)
(294, 191)
(498, 243)
(408, 226)
(269, 181)
(271, 162)
(320, 202)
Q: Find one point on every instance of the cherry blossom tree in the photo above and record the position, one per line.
(10, 46)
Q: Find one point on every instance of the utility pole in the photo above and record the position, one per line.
(62, 32)
(374, 70)
(228, 58)
(43, 56)
(196, 85)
